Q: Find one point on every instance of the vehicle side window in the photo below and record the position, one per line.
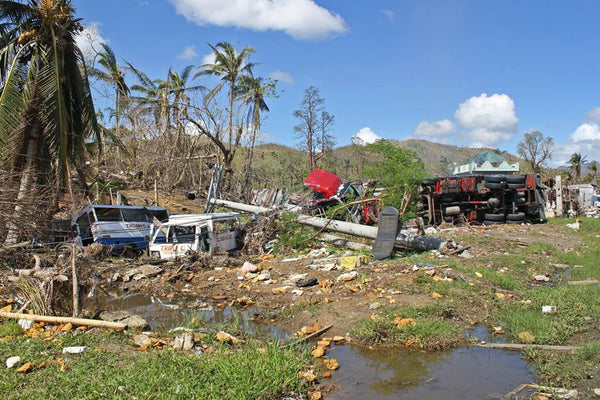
(184, 234)
(108, 214)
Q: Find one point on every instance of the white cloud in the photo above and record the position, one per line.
(209, 58)
(89, 41)
(282, 77)
(389, 14)
(593, 115)
(301, 19)
(436, 130)
(586, 132)
(489, 119)
(188, 53)
(365, 136)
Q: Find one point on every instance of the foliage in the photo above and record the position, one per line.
(397, 169)
(535, 149)
(576, 161)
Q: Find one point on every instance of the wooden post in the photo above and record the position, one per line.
(155, 191)
(75, 286)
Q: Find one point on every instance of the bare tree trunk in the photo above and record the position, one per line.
(28, 174)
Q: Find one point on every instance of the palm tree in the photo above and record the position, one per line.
(46, 107)
(177, 86)
(154, 97)
(594, 169)
(113, 75)
(229, 65)
(253, 92)
(576, 161)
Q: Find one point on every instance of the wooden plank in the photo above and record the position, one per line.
(518, 346)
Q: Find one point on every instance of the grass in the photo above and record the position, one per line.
(430, 331)
(565, 369)
(112, 369)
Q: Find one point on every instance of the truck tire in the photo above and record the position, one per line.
(495, 178)
(516, 179)
(493, 222)
(518, 217)
(494, 185)
(515, 185)
(494, 217)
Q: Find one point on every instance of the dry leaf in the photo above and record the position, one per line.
(436, 295)
(338, 339)
(316, 395)
(526, 337)
(25, 367)
(307, 329)
(324, 343)
(331, 364)
(66, 327)
(352, 288)
(7, 308)
(479, 274)
(403, 322)
(318, 352)
(308, 375)
(326, 374)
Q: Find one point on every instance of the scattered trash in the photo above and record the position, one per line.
(25, 323)
(12, 361)
(185, 341)
(374, 305)
(74, 350)
(548, 309)
(307, 282)
(248, 267)
(541, 278)
(349, 276)
(142, 340)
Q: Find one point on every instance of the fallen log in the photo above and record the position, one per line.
(561, 393)
(63, 320)
(518, 346)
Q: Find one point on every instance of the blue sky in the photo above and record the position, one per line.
(453, 71)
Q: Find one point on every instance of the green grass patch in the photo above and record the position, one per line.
(255, 370)
(561, 369)
(430, 331)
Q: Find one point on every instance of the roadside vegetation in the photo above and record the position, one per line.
(115, 368)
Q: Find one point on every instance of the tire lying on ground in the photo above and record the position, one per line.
(515, 185)
(493, 222)
(494, 185)
(516, 179)
(516, 219)
(495, 178)
(494, 217)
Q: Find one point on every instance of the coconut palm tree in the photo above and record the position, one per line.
(46, 107)
(577, 161)
(253, 92)
(153, 98)
(229, 65)
(179, 90)
(113, 75)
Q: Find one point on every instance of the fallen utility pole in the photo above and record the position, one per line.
(403, 240)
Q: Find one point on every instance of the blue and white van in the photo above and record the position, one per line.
(123, 227)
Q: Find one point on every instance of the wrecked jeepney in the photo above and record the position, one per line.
(487, 199)
(196, 233)
(122, 227)
(348, 199)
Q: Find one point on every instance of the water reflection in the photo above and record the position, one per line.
(464, 373)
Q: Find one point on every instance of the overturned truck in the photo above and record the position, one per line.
(486, 199)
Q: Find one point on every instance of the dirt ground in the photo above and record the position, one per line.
(340, 297)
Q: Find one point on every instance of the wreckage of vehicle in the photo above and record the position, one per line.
(196, 233)
(486, 199)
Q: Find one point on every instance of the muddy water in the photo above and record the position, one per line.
(463, 373)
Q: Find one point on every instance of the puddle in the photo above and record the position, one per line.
(161, 314)
(463, 373)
